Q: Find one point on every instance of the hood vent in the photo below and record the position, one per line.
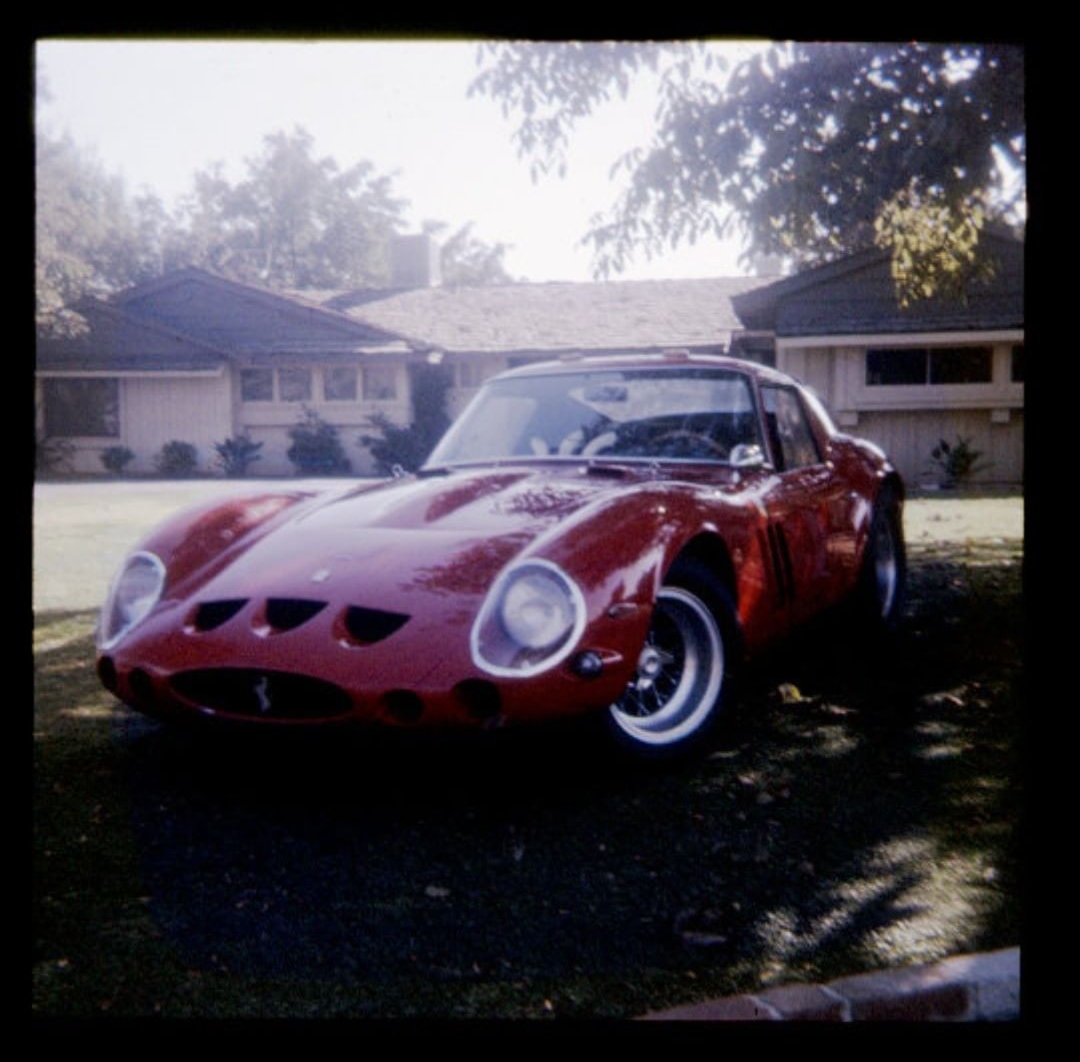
(367, 625)
(288, 613)
(212, 614)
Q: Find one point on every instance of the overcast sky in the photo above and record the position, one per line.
(157, 111)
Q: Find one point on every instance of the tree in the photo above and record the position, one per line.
(466, 260)
(810, 150)
(91, 238)
(295, 221)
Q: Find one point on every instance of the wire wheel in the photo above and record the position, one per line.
(679, 675)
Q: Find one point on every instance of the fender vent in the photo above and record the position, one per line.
(369, 625)
(777, 551)
(287, 613)
(212, 614)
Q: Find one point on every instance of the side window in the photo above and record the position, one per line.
(790, 436)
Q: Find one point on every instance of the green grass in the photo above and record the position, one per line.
(860, 811)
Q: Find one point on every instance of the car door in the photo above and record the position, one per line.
(801, 502)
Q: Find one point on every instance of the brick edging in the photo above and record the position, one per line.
(982, 987)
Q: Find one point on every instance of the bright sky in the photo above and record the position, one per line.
(158, 111)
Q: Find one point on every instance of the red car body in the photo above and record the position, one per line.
(374, 603)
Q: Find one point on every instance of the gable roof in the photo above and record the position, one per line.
(115, 341)
(857, 295)
(556, 316)
(241, 318)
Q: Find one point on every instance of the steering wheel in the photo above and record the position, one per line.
(694, 437)
(605, 441)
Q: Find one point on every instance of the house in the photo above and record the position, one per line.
(199, 358)
(904, 377)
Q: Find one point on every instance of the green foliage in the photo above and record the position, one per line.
(316, 448)
(408, 447)
(116, 459)
(293, 221)
(956, 463)
(237, 454)
(91, 238)
(53, 455)
(801, 149)
(464, 260)
(177, 459)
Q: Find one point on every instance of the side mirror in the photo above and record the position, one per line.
(746, 455)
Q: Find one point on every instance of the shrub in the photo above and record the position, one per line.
(53, 455)
(116, 459)
(409, 446)
(316, 448)
(237, 454)
(177, 458)
(955, 463)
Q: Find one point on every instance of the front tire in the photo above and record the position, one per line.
(684, 671)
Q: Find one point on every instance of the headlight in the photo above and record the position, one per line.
(134, 593)
(532, 618)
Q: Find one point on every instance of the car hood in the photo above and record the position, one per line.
(387, 544)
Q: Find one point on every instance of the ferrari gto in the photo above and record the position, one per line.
(594, 535)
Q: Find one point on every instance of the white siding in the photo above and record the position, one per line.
(156, 411)
(909, 437)
(909, 421)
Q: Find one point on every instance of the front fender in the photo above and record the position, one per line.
(202, 538)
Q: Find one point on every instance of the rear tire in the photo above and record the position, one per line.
(883, 577)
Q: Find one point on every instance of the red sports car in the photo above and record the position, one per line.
(592, 535)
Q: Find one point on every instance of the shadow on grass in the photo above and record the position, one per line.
(860, 810)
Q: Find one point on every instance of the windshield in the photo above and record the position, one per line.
(693, 414)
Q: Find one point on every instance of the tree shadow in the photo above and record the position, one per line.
(868, 818)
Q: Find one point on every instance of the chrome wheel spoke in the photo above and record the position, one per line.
(679, 674)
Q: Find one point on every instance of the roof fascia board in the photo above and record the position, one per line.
(901, 339)
(154, 374)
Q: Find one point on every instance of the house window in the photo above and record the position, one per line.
(257, 385)
(77, 407)
(339, 384)
(961, 365)
(916, 366)
(789, 433)
(380, 384)
(896, 367)
(294, 385)
(1018, 363)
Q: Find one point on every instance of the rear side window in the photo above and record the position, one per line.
(790, 437)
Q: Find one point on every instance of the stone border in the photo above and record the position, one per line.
(963, 988)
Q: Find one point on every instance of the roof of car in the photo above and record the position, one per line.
(668, 359)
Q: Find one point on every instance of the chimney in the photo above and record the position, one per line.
(414, 262)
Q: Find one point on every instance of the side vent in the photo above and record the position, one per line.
(212, 614)
(288, 613)
(367, 625)
(777, 550)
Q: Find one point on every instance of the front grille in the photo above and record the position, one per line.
(262, 694)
